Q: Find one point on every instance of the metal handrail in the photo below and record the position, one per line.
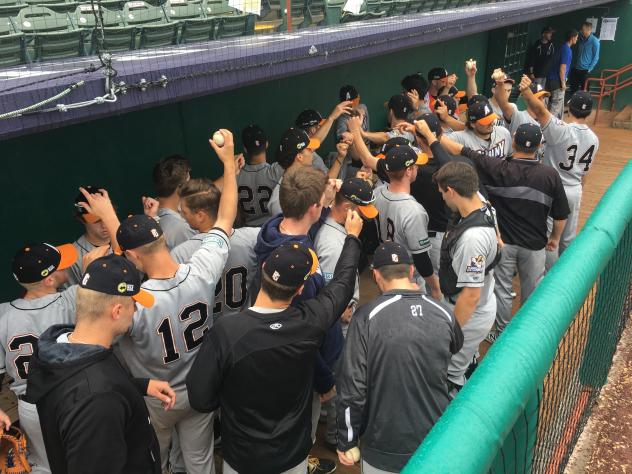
(608, 89)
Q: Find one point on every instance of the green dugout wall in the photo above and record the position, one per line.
(41, 172)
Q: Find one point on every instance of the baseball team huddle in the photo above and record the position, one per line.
(229, 313)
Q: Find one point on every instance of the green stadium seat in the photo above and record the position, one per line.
(414, 6)
(333, 9)
(48, 35)
(155, 29)
(194, 25)
(230, 21)
(371, 6)
(400, 7)
(441, 4)
(11, 44)
(315, 12)
(58, 6)
(271, 17)
(386, 6)
(10, 7)
(427, 5)
(116, 36)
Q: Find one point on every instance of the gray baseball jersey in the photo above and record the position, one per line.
(498, 146)
(318, 163)
(570, 148)
(163, 340)
(231, 292)
(328, 245)
(21, 324)
(255, 184)
(75, 272)
(175, 228)
(500, 122)
(274, 205)
(402, 219)
(393, 133)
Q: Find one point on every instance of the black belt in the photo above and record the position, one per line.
(432, 233)
(23, 398)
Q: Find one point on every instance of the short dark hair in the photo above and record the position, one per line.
(522, 149)
(276, 291)
(588, 24)
(170, 173)
(459, 176)
(579, 113)
(201, 194)
(570, 34)
(394, 272)
(301, 189)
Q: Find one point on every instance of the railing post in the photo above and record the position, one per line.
(288, 15)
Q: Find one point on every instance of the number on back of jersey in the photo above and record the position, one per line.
(585, 159)
(196, 315)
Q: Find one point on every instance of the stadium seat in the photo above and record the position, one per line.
(315, 12)
(48, 35)
(116, 36)
(10, 7)
(194, 25)
(333, 9)
(155, 29)
(414, 6)
(427, 5)
(230, 22)
(58, 6)
(386, 6)
(400, 7)
(270, 18)
(11, 44)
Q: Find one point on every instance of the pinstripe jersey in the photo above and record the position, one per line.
(231, 292)
(164, 339)
(255, 185)
(21, 324)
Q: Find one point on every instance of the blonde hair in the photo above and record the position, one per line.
(93, 304)
(152, 247)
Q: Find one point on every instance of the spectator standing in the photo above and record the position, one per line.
(540, 56)
(558, 73)
(586, 58)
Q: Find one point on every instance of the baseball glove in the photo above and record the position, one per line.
(13, 452)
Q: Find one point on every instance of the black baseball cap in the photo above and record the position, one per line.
(547, 29)
(390, 143)
(117, 276)
(400, 104)
(308, 118)
(359, 192)
(254, 138)
(529, 136)
(81, 211)
(437, 73)
(538, 90)
(293, 141)
(415, 82)
(481, 113)
(291, 264)
(36, 261)
(434, 124)
(449, 102)
(136, 231)
(475, 99)
(349, 92)
(391, 253)
(401, 157)
(581, 102)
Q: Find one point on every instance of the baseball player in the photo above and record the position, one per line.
(96, 235)
(399, 107)
(199, 201)
(415, 87)
(169, 174)
(163, 340)
(257, 178)
(350, 93)
(482, 133)
(504, 81)
(41, 270)
(571, 148)
(398, 349)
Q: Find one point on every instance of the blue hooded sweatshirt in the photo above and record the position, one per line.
(268, 240)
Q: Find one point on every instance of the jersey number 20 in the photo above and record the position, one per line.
(165, 331)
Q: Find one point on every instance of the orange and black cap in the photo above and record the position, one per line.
(349, 92)
(136, 231)
(401, 157)
(117, 276)
(35, 262)
(391, 143)
(359, 192)
(391, 253)
(437, 73)
(528, 136)
(293, 141)
(291, 264)
(81, 211)
(481, 113)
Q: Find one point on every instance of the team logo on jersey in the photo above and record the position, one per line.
(498, 150)
(395, 257)
(476, 264)
(155, 233)
(276, 326)
(276, 275)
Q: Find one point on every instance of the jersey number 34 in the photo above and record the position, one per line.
(585, 159)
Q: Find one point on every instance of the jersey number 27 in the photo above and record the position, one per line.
(165, 331)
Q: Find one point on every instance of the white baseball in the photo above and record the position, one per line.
(218, 138)
(353, 454)
(470, 64)
(498, 74)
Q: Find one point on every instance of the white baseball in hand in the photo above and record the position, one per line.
(218, 138)
(498, 74)
(470, 64)
(353, 454)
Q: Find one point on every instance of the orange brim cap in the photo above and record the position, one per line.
(380, 156)
(68, 254)
(314, 268)
(90, 218)
(369, 211)
(542, 94)
(322, 122)
(460, 94)
(144, 298)
(422, 159)
(487, 120)
(314, 144)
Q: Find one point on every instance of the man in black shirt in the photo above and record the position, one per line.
(539, 57)
(93, 416)
(258, 365)
(394, 381)
(524, 193)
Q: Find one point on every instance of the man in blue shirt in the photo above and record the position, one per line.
(558, 73)
(586, 58)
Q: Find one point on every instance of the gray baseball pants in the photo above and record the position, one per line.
(574, 197)
(30, 424)
(300, 469)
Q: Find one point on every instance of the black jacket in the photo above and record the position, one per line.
(92, 413)
(539, 58)
(258, 368)
(394, 381)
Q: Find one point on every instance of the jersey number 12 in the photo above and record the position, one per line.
(165, 331)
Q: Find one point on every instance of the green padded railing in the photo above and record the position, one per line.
(526, 404)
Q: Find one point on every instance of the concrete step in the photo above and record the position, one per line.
(624, 118)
